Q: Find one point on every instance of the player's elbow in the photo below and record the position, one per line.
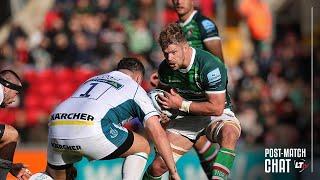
(154, 128)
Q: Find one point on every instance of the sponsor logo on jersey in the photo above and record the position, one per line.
(208, 25)
(214, 76)
(113, 132)
(174, 81)
(78, 116)
(171, 79)
(110, 82)
(186, 91)
(66, 147)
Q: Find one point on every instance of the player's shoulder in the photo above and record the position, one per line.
(164, 66)
(121, 81)
(207, 61)
(163, 63)
(204, 56)
(205, 22)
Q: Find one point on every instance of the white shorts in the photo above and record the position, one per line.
(227, 115)
(192, 126)
(65, 152)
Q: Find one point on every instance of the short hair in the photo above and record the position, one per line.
(10, 79)
(10, 76)
(172, 34)
(132, 64)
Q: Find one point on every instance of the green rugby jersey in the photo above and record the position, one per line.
(200, 77)
(199, 29)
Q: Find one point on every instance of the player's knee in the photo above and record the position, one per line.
(158, 167)
(11, 134)
(229, 134)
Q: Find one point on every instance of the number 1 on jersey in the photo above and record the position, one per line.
(86, 94)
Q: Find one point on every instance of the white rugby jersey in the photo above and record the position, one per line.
(108, 98)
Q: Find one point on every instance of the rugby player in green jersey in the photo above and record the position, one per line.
(199, 30)
(201, 33)
(197, 85)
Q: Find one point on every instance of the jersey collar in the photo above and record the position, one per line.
(189, 18)
(191, 62)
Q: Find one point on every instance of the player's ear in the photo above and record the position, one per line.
(138, 78)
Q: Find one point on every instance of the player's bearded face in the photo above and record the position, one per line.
(174, 55)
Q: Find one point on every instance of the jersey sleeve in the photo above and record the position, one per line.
(214, 78)
(208, 30)
(145, 107)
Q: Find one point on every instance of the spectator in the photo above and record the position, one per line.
(259, 20)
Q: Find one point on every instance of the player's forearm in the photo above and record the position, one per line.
(215, 48)
(219, 55)
(159, 137)
(206, 109)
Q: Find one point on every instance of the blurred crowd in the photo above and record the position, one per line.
(270, 89)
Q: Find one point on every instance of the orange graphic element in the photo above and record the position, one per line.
(36, 160)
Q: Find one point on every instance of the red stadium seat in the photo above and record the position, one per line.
(33, 116)
(3, 115)
(32, 101)
(32, 89)
(49, 103)
(82, 74)
(45, 76)
(7, 115)
(47, 89)
(30, 76)
(64, 74)
(66, 89)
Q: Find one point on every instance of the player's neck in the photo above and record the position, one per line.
(133, 75)
(127, 72)
(184, 17)
(188, 58)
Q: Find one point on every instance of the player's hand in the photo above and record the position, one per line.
(20, 171)
(164, 121)
(170, 100)
(174, 176)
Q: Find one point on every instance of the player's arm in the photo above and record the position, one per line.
(214, 106)
(215, 47)
(148, 113)
(214, 80)
(159, 137)
(210, 37)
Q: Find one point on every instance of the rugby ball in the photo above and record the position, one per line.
(40, 176)
(153, 94)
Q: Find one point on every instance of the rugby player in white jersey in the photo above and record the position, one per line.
(10, 86)
(89, 124)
